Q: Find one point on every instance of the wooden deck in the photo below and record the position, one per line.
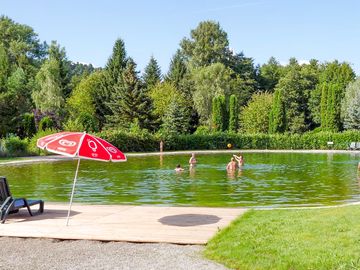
(180, 225)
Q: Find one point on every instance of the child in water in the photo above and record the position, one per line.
(232, 165)
(240, 160)
(192, 160)
(178, 168)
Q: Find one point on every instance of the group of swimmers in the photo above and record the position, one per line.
(236, 162)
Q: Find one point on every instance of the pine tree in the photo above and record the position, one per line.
(233, 114)
(58, 54)
(176, 119)
(111, 79)
(116, 63)
(152, 74)
(129, 102)
(177, 69)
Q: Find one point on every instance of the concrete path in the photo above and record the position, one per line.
(50, 254)
(152, 224)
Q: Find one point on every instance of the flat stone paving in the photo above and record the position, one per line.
(144, 224)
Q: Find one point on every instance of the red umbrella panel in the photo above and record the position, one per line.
(80, 145)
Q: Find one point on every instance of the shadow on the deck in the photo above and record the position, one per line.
(23, 215)
(186, 220)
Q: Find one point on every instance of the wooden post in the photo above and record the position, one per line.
(161, 146)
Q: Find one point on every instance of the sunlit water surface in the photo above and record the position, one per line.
(267, 179)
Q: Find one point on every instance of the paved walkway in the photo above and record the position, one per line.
(144, 224)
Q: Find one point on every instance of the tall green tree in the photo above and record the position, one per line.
(83, 99)
(219, 113)
(49, 95)
(129, 102)
(162, 95)
(210, 81)
(333, 81)
(277, 117)
(208, 44)
(152, 74)
(58, 54)
(350, 107)
(116, 63)
(255, 116)
(22, 45)
(176, 119)
(177, 69)
(18, 86)
(111, 80)
(233, 114)
(243, 77)
(14, 103)
(4, 68)
(296, 86)
(270, 74)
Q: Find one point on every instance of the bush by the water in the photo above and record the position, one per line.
(13, 146)
(131, 142)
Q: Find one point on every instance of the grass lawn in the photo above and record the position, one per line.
(290, 239)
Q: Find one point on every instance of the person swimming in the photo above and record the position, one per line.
(192, 160)
(232, 165)
(178, 168)
(240, 160)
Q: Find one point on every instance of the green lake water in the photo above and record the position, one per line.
(267, 179)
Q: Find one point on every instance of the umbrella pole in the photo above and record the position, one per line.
(72, 192)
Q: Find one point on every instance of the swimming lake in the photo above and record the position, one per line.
(267, 179)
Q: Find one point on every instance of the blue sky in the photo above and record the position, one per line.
(325, 30)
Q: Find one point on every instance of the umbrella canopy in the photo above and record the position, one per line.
(80, 145)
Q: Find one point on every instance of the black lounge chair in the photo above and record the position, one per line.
(10, 205)
(352, 146)
(357, 146)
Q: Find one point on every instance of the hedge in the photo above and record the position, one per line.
(147, 142)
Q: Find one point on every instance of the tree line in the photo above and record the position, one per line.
(208, 88)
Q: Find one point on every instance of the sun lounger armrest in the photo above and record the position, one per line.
(6, 202)
(6, 208)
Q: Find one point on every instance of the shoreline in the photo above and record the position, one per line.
(54, 158)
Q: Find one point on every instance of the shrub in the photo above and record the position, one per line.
(88, 122)
(14, 146)
(202, 130)
(29, 125)
(32, 149)
(130, 142)
(46, 123)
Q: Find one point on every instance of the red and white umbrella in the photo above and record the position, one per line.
(80, 145)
